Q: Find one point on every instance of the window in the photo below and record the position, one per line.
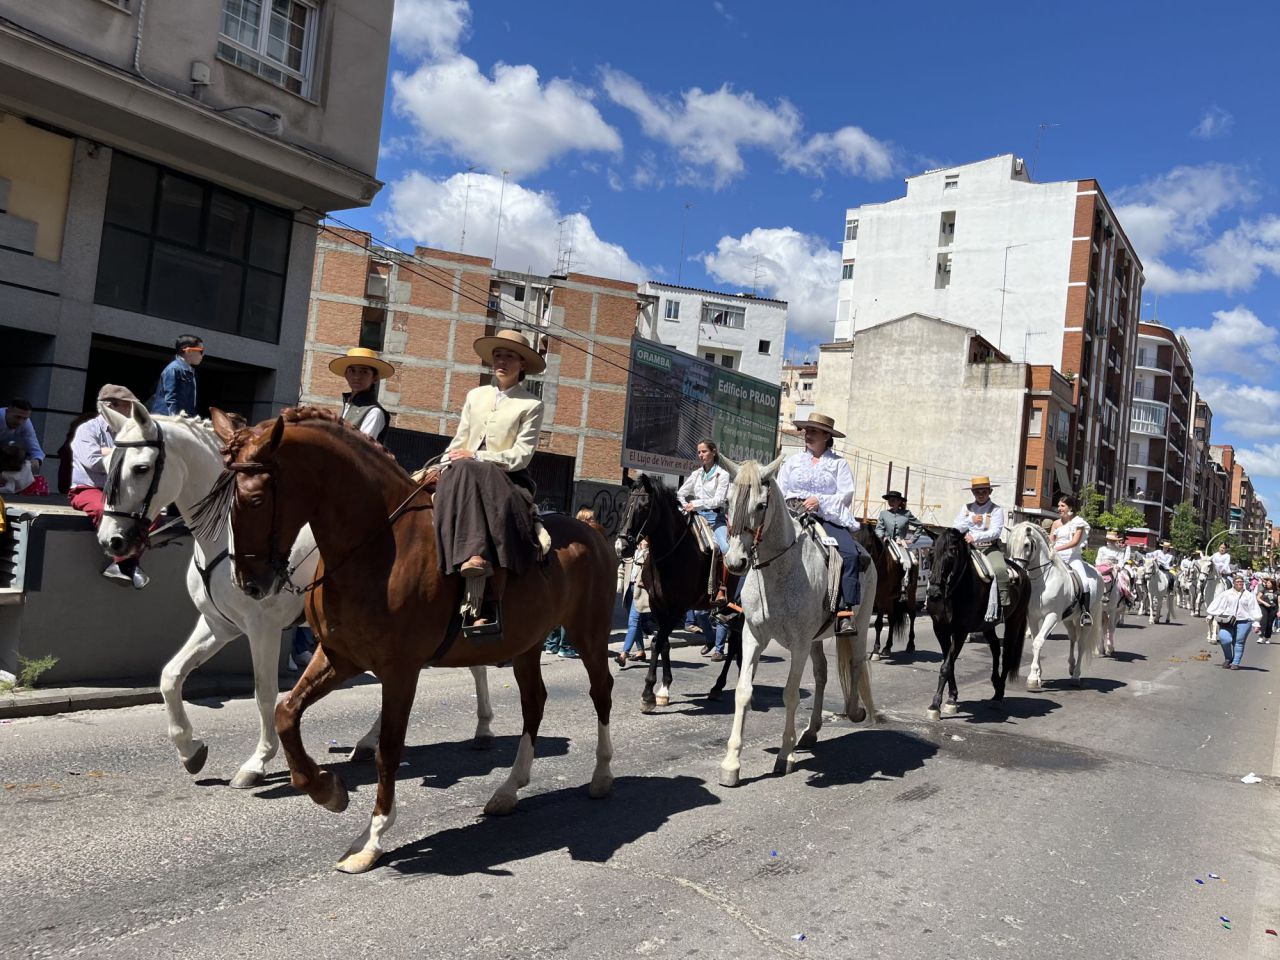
(373, 327)
(185, 250)
(726, 360)
(947, 228)
(1037, 421)
(764, 346)
(272, 39)
(518, 295)
(951, 182)
(846, 271)
(1064, 428)
(709, 357)
(1030, 480)
(724, 315)
(851, 229)
(942, 276)
(672, 311)
(807, 386)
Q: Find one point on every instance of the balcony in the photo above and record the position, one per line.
(1148, 417)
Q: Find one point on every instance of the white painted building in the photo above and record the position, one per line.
(738, 331)
(1043, 271)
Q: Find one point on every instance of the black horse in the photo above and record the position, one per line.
(675, 577)
(957, 602)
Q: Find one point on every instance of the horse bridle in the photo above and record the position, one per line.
(142, 514)
(757, 534)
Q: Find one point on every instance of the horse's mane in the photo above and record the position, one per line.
(1055, 556)
(320, 417)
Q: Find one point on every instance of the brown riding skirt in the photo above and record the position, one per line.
(481, 510)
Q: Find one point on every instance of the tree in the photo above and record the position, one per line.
(1091, 502)
(1184, 528)
(1121, 517)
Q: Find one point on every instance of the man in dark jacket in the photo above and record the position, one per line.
(176, 391)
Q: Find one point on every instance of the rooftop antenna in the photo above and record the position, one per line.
(755, 275)
(466, 199)
(564, 253)
(684, 219)
(1028, 334)
(502, 195)
(1035, 157)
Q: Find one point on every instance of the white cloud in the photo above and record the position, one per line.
(433, 28)
(1215, 123)
(786, 264)
(1171, 217)
(849, 150)
(1260, 461)
(1245, 410)
(1237, 343)
(709, 130)
(430, 212)
(511, 121)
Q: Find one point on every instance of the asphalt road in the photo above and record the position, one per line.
(1067, 823)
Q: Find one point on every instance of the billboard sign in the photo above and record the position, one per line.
(675, 400)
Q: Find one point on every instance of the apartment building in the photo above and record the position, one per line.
(1209, 487)
(1246, 514)
(739, 331)
(1162, 471)
(163, 167)
(1043, 271)
(976, 413)
(424, 310)
(798, 381)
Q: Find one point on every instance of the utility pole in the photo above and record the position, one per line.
(1035, 158)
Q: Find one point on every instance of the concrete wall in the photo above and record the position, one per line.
(109, 632)
(904, 391)
(341, 115)
(765, 320)
(996, 211)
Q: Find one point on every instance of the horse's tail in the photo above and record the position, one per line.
(899, 621)
(847, 669)
(1017, 624)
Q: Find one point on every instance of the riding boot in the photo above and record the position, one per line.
(845, 624)
(722, 591)
(1086, 620)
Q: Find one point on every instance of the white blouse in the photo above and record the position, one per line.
(828, 478)
(1241, 606)
(1066, 532)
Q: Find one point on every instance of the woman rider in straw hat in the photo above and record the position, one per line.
(484, 497)
(363, 368)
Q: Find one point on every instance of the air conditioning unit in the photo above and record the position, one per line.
(1017, 165)
(376, 286)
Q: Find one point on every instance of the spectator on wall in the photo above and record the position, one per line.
(15, 427)
(176, 390)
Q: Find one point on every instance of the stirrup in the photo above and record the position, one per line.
(491, 626)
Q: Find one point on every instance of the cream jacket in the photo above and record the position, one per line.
(507, 431)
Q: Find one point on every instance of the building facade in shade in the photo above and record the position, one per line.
(978, 414)
(424, 311)
(162, 171)
(1043, 271)
(1161, 471)
(738, 331)
(1209, 481)
(798, 382)
(1246, 514)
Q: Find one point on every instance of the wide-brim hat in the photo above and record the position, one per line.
(1114, 535)
(981, 482)
(819, 421)
(516, 343)
(893, 494)
(1166, 543)
(362, 357)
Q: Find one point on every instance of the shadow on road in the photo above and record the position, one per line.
(1096, 684)
(862, 755)
(565, 819)
(894, 657)
(1126, 656)
(435, 765)
(1010, 708)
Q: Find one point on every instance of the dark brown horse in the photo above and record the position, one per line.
(893, 600)
(382, 604)
(675, 577)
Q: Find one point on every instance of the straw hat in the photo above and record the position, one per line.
(820, 421)
(982, 482)
(1114, 536)
(516, 343)
(1166, 543)
(362, 357)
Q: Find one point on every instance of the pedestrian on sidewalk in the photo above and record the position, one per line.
(1267, 603)
(636, 603)
(1235, 611)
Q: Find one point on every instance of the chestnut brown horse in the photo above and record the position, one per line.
(382, 605)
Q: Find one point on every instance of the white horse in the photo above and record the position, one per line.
(160, 460)
(1052, 593)
(1188, 583)
(1112, 613)
(1210, 584)
(1159, 591)
(784, 600)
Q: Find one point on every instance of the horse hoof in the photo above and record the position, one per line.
(362, 861)
(600, 786)
(247, 779)
(950, 709)
(196, 763)
(360, 754)
(859, 715)
(484, 742)
(1033, 685)
(728, 778)
(337, 799)
(808, 740)
(875, 657)
(662, 701)
(647, 707)
(500, 805)
(933, 714)
(714, 693)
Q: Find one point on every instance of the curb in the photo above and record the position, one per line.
(45, 703)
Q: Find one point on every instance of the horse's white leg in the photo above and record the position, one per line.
(364, 749)
(504, 798)
(791, 699)
(200, 646)
(1041, 634)
(818, 657)
(264, 646)
(483, 738)
(731, 766)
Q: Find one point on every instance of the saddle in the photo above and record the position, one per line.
(1077, 600)
(981, 567)
(703, 535)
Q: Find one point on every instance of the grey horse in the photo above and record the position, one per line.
(784, 599)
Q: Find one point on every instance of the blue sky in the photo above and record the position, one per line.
(622, 125)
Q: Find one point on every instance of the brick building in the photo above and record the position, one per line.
(1162, 470)
(424, 310)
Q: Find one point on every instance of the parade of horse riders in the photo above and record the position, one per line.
(364, 443)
